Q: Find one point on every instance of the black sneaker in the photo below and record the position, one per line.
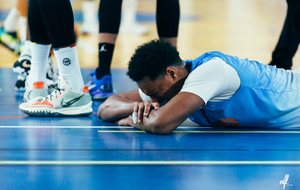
(23, 67)
(20, 84)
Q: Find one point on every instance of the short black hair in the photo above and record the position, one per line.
(151, 59)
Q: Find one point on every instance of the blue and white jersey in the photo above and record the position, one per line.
(267, 97)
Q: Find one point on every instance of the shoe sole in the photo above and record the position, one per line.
(19, 70)
(20, 89)
(85, 110)
(101, 97)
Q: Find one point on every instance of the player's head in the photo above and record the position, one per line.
(153, 66)
(151, 60)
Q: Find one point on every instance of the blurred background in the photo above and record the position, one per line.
(244, 28)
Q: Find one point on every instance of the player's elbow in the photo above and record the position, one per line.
(101, 112)
(160, 129)
(104, 112)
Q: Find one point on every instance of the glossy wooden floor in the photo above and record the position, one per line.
(87, 153)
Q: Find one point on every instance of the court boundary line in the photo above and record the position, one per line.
(10, 117)
(99, 127)
(214, 131)
(84, 162)
(229, 132)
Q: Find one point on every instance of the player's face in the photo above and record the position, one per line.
(160, 90)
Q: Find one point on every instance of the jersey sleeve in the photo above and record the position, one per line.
(207, 80)
(144, 97)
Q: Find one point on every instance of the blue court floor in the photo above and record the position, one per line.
(87, 153)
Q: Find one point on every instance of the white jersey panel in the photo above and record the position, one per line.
(144, 97)
(214, 80)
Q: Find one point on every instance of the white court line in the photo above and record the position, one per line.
(84, 162)
(90, 127)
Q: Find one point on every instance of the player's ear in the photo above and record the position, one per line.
(171, 72)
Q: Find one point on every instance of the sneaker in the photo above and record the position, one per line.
(37, 92)
(20, 84)
(23, 67)
(9, 39)
(61, 102)
(52, 76)
(100, 88)
(52, 72)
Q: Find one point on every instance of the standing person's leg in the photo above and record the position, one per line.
(60, 29)
(290, 37)
(109, 22)
(167, 20)
(129, 23)
(22, 65)
(40, 49)
(89, 13)
(72, 98)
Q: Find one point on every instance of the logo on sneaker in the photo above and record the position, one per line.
(25, 64)
(69, 103)
(66, 61)
(106, 87)
(103, 48)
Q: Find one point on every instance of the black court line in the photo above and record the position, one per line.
(277, 149)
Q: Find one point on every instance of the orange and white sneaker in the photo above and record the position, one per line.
(61, 102)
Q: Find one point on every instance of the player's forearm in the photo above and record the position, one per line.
(158, 124)
(115, 108)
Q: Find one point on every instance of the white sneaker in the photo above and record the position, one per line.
(61, 102)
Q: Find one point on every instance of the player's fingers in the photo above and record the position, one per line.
(141, 112)
(132, 124)
(155, 105)
(136, 107)
(147, 109)
(134, 117)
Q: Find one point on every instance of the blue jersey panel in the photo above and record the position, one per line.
(267, 97)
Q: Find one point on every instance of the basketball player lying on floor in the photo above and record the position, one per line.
(214, 90)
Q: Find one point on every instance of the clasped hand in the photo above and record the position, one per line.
(141, 110)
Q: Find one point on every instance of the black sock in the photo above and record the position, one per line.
(105, 56)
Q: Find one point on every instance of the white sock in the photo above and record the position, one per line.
(26, 53)
(39, 63)
(22, 28)
(11, 22)
(68, 66)
(130, 12)
(89, 11)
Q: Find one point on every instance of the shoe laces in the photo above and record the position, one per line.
(55, 93)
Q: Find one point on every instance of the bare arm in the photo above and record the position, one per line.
(118, 106)
(167, 118)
